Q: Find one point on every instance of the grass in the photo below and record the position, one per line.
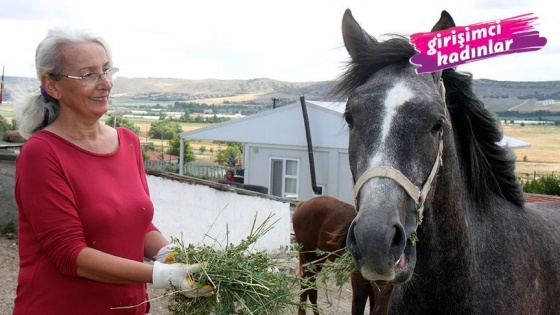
(543, 157)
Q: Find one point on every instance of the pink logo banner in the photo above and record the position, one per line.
(462, 44)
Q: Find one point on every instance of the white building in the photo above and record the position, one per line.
(276, 154)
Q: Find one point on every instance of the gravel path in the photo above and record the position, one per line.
(337, 302)
(9, 262)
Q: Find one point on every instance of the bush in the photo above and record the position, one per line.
(8, 228)
(546, 185)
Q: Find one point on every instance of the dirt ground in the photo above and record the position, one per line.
(9, 262)
(338, 301)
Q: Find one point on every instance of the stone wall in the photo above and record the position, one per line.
(8, 208)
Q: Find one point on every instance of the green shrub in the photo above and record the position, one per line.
(546, 185)
(8, 228)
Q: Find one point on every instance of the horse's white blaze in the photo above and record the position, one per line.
(396, 97)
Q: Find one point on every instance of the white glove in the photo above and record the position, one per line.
(166, 254)
(180, 276)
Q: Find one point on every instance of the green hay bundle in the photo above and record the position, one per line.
(340, 269)
(245, 281)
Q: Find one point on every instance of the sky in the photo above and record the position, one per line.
(287, 40)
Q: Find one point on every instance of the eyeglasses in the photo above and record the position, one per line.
(92, 78)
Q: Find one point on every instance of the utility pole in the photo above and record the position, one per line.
(2, 84)
(115, 118)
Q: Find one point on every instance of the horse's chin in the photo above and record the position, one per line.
(401, 272)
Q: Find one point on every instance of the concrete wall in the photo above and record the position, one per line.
(199, 214)
(8, 208)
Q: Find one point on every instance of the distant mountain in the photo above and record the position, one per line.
(520, 96)
(497, 95)
(256, 90)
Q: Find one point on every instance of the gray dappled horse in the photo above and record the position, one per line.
(441, 215)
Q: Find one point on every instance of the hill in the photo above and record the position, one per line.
(519, 96)
(497, 95)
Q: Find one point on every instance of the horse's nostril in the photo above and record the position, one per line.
(351, 242)
(350, 238)
(399, 242)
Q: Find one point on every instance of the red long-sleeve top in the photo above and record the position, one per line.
(68, 199)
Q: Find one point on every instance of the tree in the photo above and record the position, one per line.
(164, 129)
(6, 125)
(175, 148)
(186, 116)
(202, 149)
(229, 156)
(122, 122)
(145, 155)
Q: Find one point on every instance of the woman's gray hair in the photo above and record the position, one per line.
(38, 110)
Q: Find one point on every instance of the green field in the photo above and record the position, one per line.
(126, 102)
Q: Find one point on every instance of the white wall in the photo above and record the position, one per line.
(200, 214)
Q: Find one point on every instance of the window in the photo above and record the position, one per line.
(284, 180)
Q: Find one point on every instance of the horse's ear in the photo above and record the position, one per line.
(355, 38)
(445, 22)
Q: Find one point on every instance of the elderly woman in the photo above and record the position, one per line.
(85, 214)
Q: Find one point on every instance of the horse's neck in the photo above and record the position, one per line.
(443, 266)
(446, 229)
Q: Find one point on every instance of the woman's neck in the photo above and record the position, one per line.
(96, 137)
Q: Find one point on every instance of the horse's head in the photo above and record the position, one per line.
(396, 121)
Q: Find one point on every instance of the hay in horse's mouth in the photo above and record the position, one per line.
(402, 260)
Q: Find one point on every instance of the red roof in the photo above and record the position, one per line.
(541, 198)
(156, 156)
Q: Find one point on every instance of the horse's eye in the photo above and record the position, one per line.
(438, 125)
(349, 119)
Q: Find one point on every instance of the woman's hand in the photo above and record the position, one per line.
(180, 275)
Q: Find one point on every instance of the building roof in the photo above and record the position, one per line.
(514, 143)
(284, 126)
(529, 198)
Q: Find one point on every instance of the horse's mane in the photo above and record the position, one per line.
(488, 166)
(396, 50)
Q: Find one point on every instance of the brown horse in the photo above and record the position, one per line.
(322, 223)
